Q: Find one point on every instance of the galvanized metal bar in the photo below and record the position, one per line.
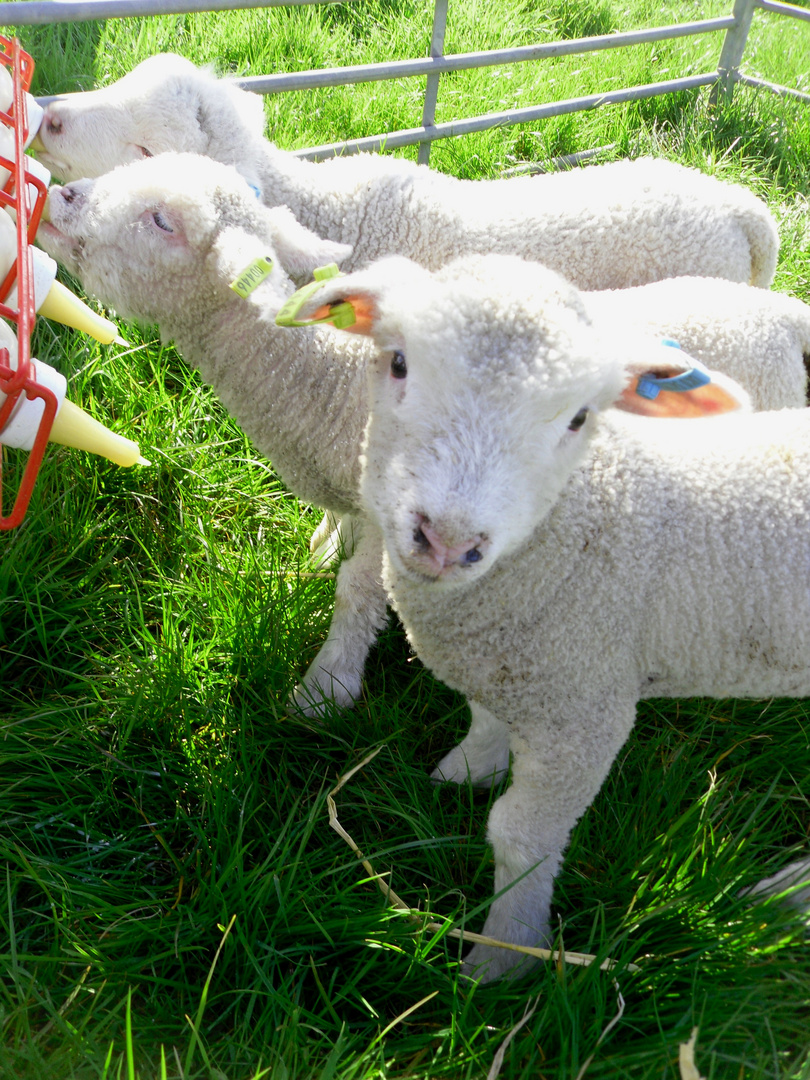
(394, 139)
(733, 48)
(432, 87)
(775, 88)
(40, 12)
(784, 9)
(400, 69)
(736, 25)
(565, 161)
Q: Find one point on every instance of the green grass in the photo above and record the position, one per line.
(174, 902)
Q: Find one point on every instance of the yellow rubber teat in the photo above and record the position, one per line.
(60, 304)
(74, 427)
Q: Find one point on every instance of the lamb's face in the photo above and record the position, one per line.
(150, 111)
(164, 105)
(481, 409)
(151, 239)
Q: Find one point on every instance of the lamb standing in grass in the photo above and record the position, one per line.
(161, 240)
(603, 227)
(557, 558)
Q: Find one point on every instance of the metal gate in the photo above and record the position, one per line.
(735, 26)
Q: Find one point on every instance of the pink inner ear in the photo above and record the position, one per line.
(708, 400)
(364, 313)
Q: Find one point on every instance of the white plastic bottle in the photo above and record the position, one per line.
(72, 426)
(35, 110)
(32, 167)
(51, 298)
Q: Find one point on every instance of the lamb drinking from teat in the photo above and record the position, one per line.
(161, 240)
(603, 226)
(557, 551)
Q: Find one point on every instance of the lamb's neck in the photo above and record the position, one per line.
(306, 187)
(379, 205)
(300, 395)
(436, 620)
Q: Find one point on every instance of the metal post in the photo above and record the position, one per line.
(432, 87)
(733, 49)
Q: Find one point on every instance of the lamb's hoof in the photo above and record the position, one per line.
(317, 697)
(791, 885)
(455, 768)
(328, 551)
(439, 776)
(323, 530)
(485, 963)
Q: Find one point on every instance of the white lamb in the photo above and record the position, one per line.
(603, 227)
(555, 553)
(160, 241)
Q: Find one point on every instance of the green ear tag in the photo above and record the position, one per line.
(340, 315)
(252, 276)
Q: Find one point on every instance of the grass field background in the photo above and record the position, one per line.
(174, 901)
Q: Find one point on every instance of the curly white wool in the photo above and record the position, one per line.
(603, 227)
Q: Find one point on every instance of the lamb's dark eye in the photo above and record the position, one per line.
(161, 221)
(578, 420)
(145, 152)
(399, 369)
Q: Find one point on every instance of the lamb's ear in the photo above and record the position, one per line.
(188, 119)
(352, 302)
(235, 252)
(681, 389)
(251, 175)
(351, 310)
(299, 250)
(250, 107)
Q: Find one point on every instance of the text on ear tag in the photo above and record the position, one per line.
(252, 276)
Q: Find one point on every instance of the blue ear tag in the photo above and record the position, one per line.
(649, 386)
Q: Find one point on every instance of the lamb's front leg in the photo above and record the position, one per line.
(557, 770)
(360, 613)
(482, 757)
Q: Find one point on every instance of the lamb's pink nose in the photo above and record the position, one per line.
(433, 550)
(70, 193)
(51, 121)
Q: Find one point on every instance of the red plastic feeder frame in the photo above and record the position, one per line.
(14, 193)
